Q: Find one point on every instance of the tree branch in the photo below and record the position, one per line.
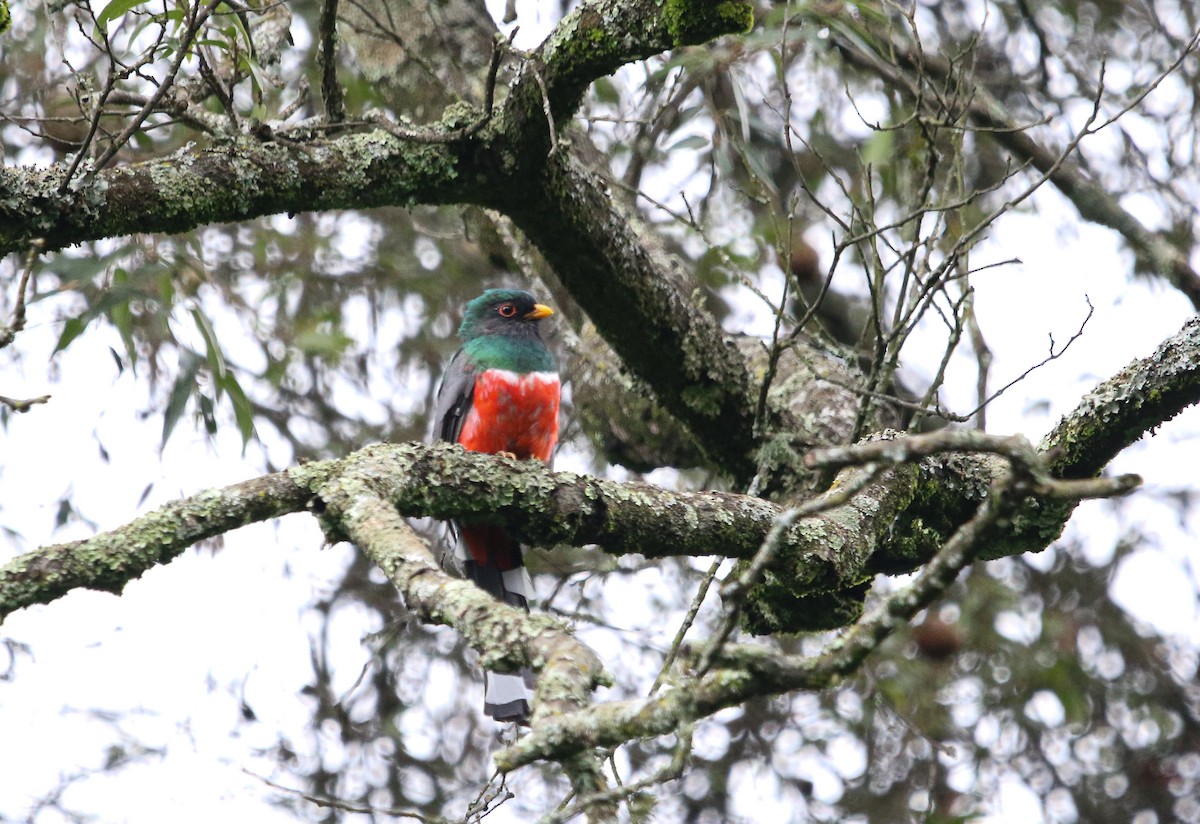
(597, 38)
(228, 182)
(8, 332)
(112, 559)
(331, 87)
(236, 181)
(1144, 395)
(745, 672)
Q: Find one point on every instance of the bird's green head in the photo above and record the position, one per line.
(500, 331)
(508, 312)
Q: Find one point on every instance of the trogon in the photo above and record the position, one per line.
(500, 394)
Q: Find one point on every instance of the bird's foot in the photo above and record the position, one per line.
(510, 455)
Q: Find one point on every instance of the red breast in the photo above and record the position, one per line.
(513, 413)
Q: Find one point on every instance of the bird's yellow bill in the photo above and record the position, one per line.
(539, 311)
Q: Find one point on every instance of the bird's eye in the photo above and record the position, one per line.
(506, 310)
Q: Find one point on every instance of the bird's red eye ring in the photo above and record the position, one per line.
(506, 310)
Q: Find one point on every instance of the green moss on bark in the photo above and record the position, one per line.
(692, 22)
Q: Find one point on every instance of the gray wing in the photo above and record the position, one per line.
(454, 398)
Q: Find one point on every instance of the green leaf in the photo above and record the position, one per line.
(115, 9)
(71, 330)
(216, 358)
(122, 317)
(606, 91)
(243, 412)
(64, 514)
(206, 413)
(237, 29)
(743, 106)
(181, 391)
(695, 141)
(113, 301)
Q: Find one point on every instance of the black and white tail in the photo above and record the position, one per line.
(506, 696)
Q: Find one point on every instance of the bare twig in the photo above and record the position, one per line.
(328, 802)
(197, 19)
(546, 108)
(1053, 355)
(1095, 204)
(685, 625)
(983, 360)
(9, 332)
(494, 793)
(669, 772)
(432, 135)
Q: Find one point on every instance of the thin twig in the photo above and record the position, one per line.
(347, 806)
(537, 76)
(431, 135)
(182, 50)
(485, 803)
(983, 361)
(8, 333)
(670, 772)
(1053, 355)
(685, 625)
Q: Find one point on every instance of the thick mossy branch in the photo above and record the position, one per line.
(620, 415)
(247, 177)
(597, 38)
(110, 560)
(797, 592)
(1144, 395)
(441, 481)
(228, 182)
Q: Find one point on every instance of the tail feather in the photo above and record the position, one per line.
(506, 696)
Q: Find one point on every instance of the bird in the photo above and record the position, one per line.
(500, 394)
